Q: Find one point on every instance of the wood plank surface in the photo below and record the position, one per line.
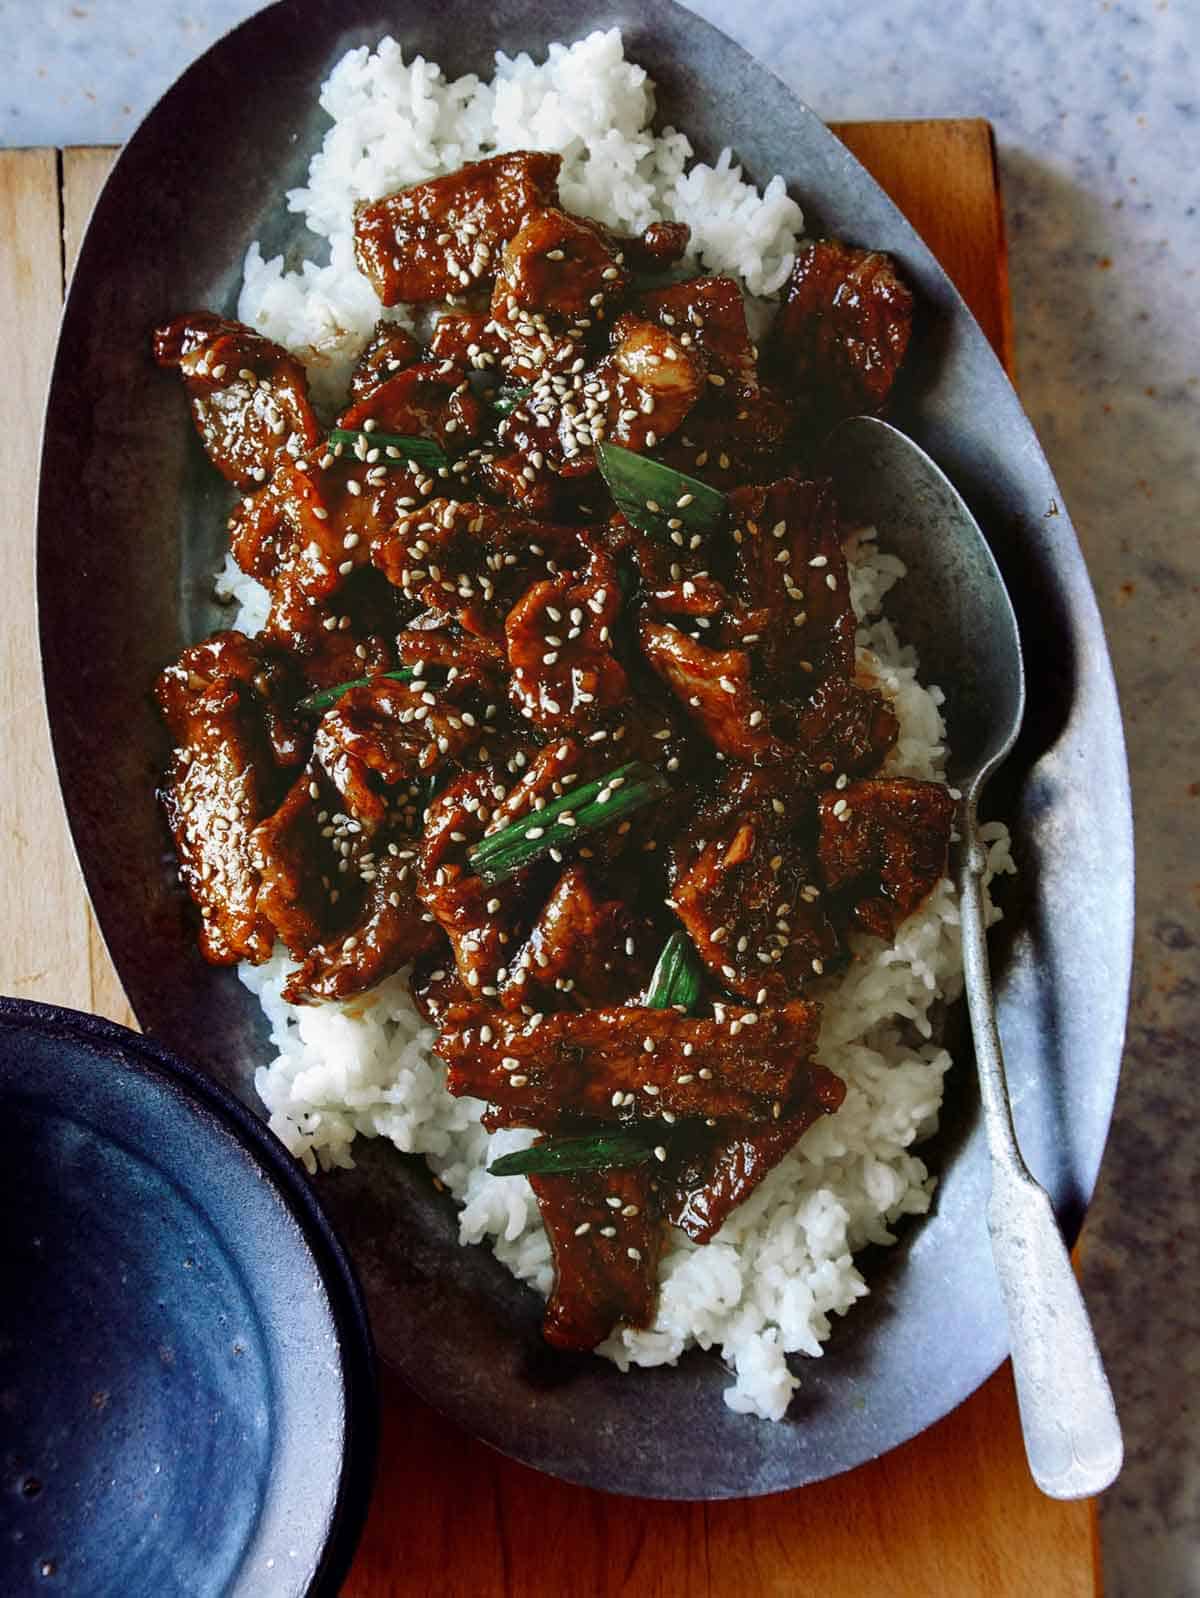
(44, 949)
(951, 1515)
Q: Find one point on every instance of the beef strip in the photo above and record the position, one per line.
(337, 639)
(441, 237)
(309, 528)
(428, 400)
(714, 685)
(745, 887)
(229, 770)
(843, 730)
(306, 536)
(485, 925)
(560, 649)
(606, 1236)
(386, 734)
(439, 649)
(737, 426)
(582, 950)
(790, 576)
(653, 383)
(842, 333)
(435, 985)
(391, 930)
(296, 863)
(716, 1169)
(573, 1064)
(659, 247)
(472, 561)
(468, 338)
(557, 275)
(249, 396)
(251, 661)
(708, 316)
(556, 265)
(882, 848)
(389, 350)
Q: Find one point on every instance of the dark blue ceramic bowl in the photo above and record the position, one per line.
(187, 1392)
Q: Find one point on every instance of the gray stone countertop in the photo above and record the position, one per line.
(1096, 107)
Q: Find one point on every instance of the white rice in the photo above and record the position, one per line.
(783, 1264)
(398, 122)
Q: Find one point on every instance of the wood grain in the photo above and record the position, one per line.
(44, 948)
(83, 172)
(953, 1514)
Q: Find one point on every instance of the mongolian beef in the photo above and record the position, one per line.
(556, 703)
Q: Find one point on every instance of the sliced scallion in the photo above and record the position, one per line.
(657, 499)
(595, 1152)
(314, 704)
(395, 449)
(588, 808)
(505, 399)
(677, 977)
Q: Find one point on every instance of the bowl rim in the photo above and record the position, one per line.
(356, 1347)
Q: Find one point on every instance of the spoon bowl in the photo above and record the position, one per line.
(954, 607)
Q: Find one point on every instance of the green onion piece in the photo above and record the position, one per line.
(652, 495)
(677, 977)
(596, 1152)
(324, 697)
(676, 982)
(588, 808)
(505, 399)
(395, 449)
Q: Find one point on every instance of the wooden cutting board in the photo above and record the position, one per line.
(951, 1515)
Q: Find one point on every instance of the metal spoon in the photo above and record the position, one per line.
(955, 608)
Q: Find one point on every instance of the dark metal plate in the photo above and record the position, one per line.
(130, 529)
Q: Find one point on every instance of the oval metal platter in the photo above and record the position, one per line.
(131, 520)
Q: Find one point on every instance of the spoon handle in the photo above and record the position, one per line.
(1068, 1418)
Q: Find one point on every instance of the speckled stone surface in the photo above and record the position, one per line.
(1096, 107)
